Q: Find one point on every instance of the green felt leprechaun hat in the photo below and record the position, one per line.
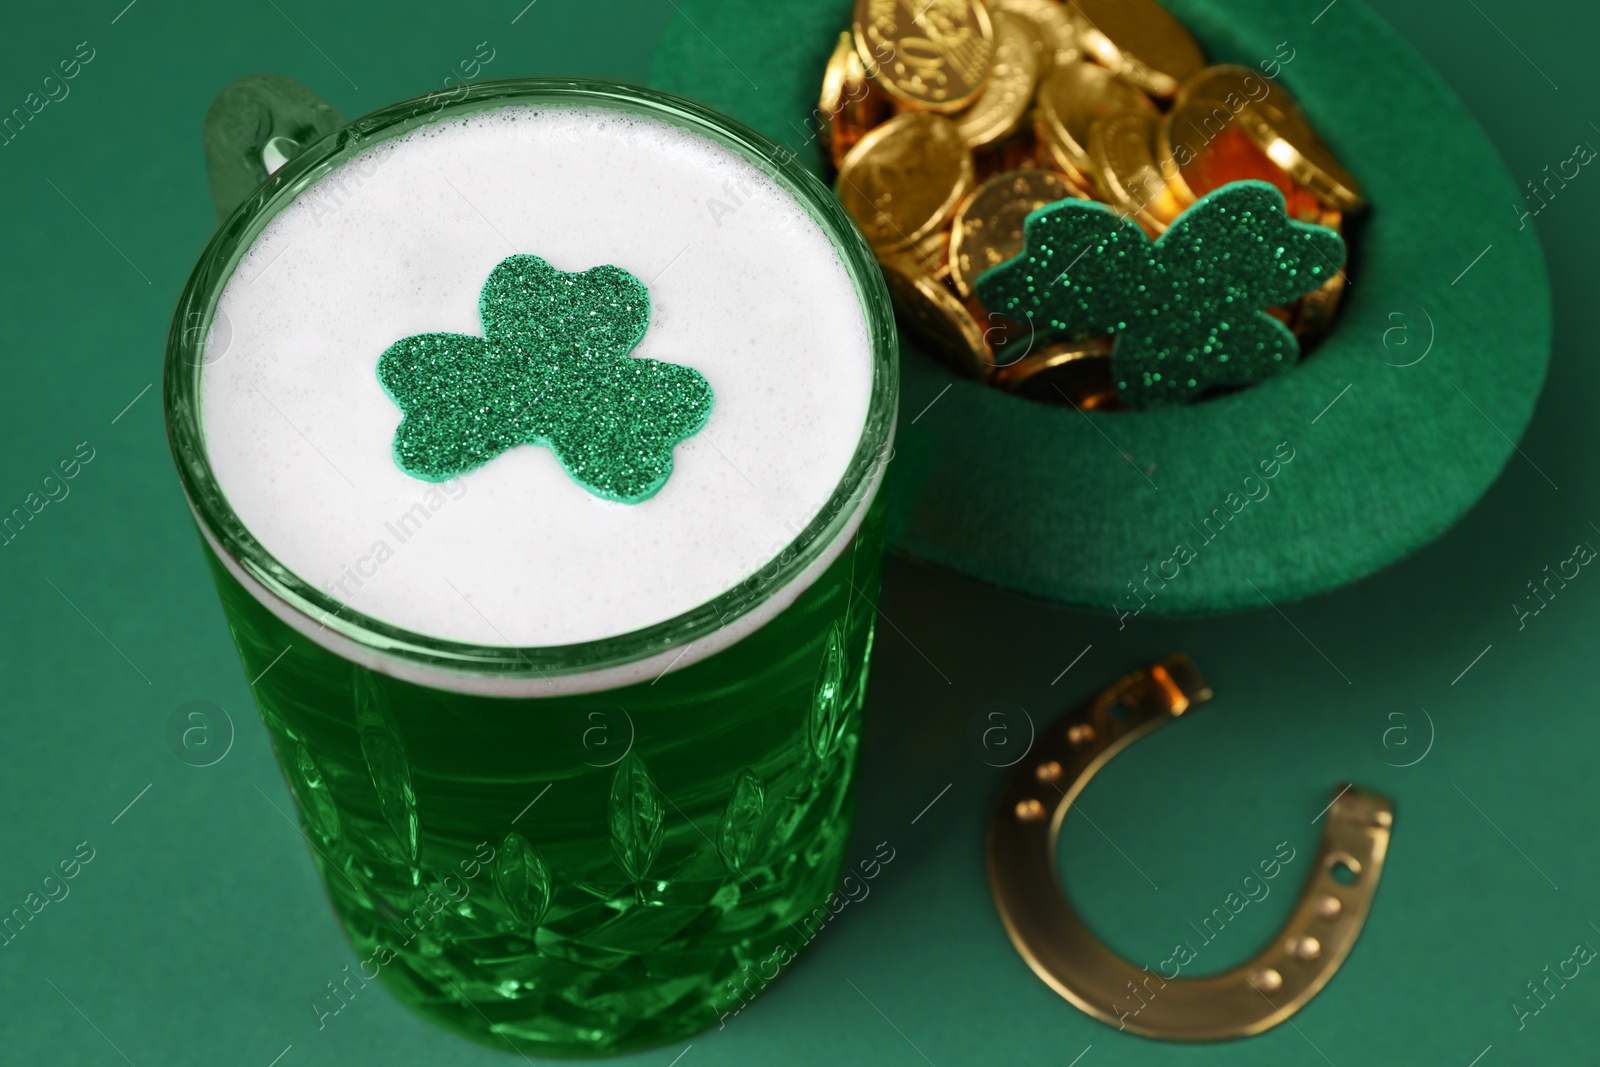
(1306, 478)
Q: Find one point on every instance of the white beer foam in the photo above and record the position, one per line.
(744, 286)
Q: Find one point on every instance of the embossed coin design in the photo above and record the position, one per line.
(905, 178)
(1004, 103)
(1069, 105)
(1141, 41)
(987, 229)
(931, 56)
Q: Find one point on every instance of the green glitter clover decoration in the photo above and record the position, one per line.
(1187, 309)
(553, 368)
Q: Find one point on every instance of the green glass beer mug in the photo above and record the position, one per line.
(591, 839)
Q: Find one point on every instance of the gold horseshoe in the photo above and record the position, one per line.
(1248, 999)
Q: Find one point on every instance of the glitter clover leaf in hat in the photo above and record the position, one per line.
(1187, 309)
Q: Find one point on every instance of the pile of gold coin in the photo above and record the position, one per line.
(948, 121)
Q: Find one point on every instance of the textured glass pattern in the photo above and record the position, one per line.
(510, 873)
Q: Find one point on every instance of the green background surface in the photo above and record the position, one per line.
(198, 934)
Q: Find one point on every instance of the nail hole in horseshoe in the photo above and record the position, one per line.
(1344, 869)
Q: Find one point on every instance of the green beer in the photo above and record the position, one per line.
(575, 764)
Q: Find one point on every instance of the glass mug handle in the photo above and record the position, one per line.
(256, 125)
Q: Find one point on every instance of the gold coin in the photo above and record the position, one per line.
(934, 316)
(1005, 100)
(1055, 35)
(933, 254)
(1313, 315)
(1075, 372)
(1201, 144)
(1069, 103)
(1230, 97)
(834, 77)
(1288, 140)
(1198, 140)
(903, 180)
(1139, 40)
(930, 56)
(1122, 147)
(850, 104)
(987, 229)
(1008, 339)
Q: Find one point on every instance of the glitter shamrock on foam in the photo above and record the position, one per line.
(553, 368)
(1187, 308)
